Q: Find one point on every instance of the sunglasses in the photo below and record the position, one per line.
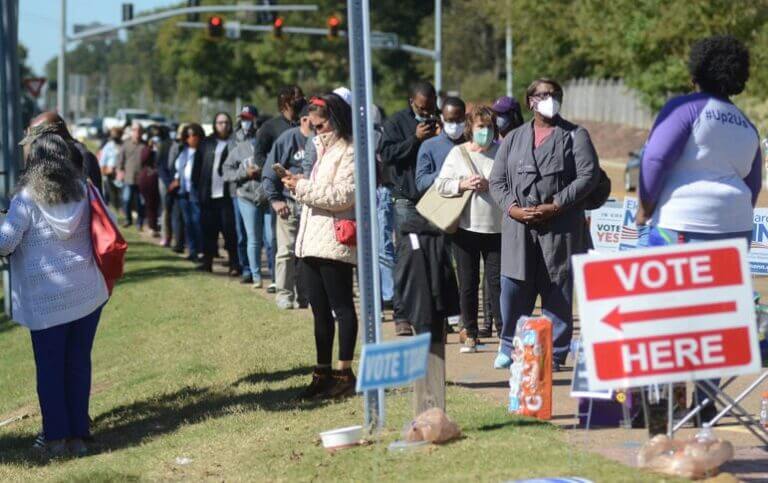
(545, 95)
(319, 127)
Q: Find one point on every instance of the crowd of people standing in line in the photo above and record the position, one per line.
(288, 187)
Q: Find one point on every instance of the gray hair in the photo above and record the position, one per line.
(49, 174)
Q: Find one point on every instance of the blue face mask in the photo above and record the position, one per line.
(482, 137)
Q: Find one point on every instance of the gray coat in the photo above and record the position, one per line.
(241, 155)
(565, 169)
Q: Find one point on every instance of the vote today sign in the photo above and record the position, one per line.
(667, 314)
(393, 364)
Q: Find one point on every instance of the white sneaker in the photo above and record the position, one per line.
(469, 346)
(285, 305)
(257, 284)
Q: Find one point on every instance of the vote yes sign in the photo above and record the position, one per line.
(667, 314)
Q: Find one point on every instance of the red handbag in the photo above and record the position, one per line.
(109, 246)
(346, 232)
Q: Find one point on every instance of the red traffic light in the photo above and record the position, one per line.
(216, 21)
(279, 22)
(333, 21)
(216, 27)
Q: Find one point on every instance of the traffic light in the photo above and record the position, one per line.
(127, 12)
(277, 27)
(216, 27)
(333, 27)
(193, 17)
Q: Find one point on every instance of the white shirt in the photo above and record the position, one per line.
(186, 158)
(482, 214)
(217, 180)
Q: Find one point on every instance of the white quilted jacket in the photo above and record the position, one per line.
(328, 194)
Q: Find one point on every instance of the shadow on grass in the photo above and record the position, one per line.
(274, 376)
(6, 325)
(141, 421)
(514, 422)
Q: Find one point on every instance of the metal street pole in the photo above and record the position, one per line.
(438, 45)
(10, 118)
(61, 77)
(509, 58)
(365, 193)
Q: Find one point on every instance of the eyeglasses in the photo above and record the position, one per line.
(545, 95)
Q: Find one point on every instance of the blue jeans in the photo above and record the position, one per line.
(385, 215)
(190, 210)
(518, 298)
(258, 228)
(242, 241)
(63, 364)
(657, 237)
(131, 193)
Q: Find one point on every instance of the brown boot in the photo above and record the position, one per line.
(344, 383)
(321, 382)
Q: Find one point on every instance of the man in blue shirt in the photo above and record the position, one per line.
(432, 152)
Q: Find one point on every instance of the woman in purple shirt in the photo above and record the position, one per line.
(701, 174)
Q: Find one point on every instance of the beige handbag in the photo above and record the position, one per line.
(443, 212)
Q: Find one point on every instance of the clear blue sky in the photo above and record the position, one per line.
(39, 22)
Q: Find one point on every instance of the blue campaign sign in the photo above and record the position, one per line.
(758, 253)
(392, 364)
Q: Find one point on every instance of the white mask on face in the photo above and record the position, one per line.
(453, 130)
(246, 125)
(548, 107)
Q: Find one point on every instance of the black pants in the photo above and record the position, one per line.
(218, 216)
(328, 286)
(468, 247)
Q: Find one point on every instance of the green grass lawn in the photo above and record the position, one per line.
(200, 367)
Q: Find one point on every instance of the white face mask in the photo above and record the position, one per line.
(548, 108)
(246, 125)
(453, 130)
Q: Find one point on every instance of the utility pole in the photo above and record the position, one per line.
(509, 58)
(61, 81)
(438, 46)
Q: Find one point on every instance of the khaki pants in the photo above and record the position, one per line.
(285, 257)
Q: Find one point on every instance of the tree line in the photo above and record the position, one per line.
(645, 42)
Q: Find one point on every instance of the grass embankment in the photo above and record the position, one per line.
(197, 366)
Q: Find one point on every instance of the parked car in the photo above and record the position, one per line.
(87, 128)
(632, 170)
(124, 118)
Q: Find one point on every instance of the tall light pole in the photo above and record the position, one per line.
(509, 58)
(438, 45)
(61, 81)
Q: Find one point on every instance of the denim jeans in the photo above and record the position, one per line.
(190, 210)
(242, 240)
(518, 298)
(131, 193)
(655, 237)
(258, 228)
(63, 366)
(385, 215)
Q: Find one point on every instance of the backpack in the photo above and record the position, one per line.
(601, 192)
(109, 246)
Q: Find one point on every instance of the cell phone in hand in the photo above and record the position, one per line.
(279, 170)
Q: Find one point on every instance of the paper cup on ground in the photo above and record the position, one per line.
(342, 437)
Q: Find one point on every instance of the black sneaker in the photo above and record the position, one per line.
(484, 333)
(344, 382)
(321, 382)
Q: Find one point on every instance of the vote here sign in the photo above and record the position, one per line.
(667, 314)
(392, 364)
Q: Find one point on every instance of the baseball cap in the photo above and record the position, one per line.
(249, 112)
(504, 104)
(344, 93)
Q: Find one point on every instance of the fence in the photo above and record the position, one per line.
(605, 101)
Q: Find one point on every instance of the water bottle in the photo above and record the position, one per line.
(764, 410)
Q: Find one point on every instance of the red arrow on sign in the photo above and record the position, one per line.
(616, 317)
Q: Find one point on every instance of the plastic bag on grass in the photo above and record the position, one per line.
(432, 425)
(697, 457)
